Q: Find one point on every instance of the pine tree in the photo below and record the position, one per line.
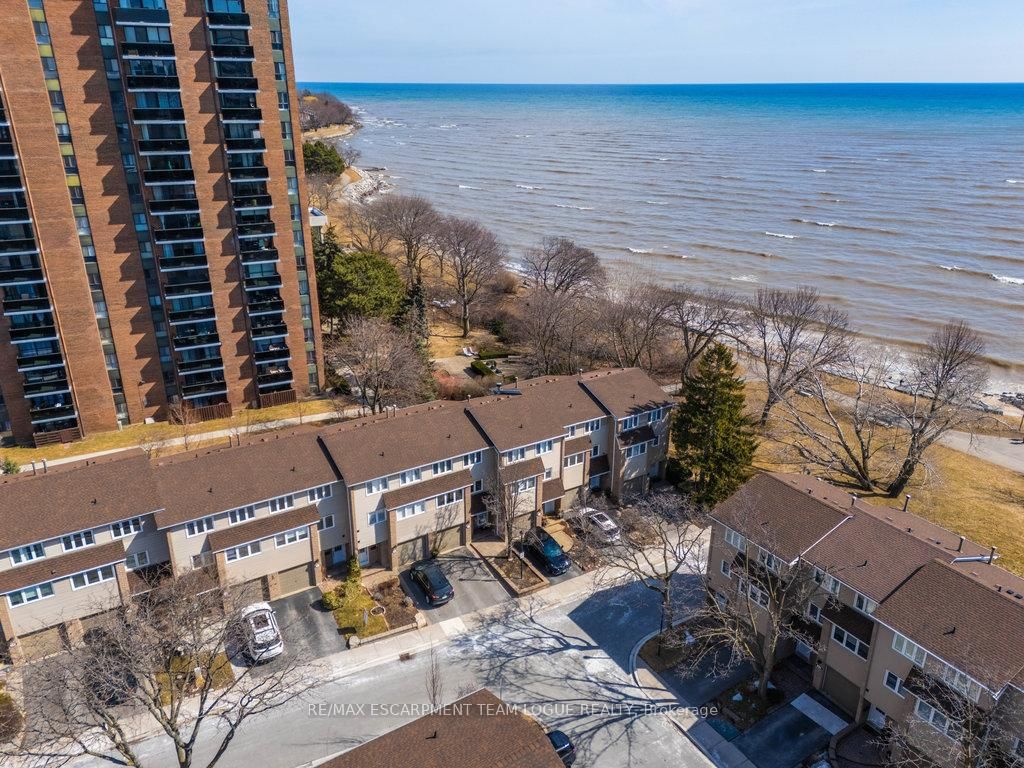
(712, 435)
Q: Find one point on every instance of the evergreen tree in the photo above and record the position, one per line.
(712, 435)
(319, 157)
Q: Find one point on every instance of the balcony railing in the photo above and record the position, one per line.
(141, 16)
(58, 386)
(148, 50)
(190, 315)
(241, 114)
(198, 340)
(177, 235)
(152, 82)
(27, 304)
(252, 229)
(228, 20)
(261, 282)
(262, 256)
(190, 288)
(247, 173)
(277, 353)
(245, 145)
(20, 214)
(157, 115)
(237, 52)
(181, 205)
(163, 146)
(265, 307)
(21, 245)
(199, 390)
(175, 175)
(47, 413)
(9, 181)
(30, 361)
(269, 330)
(18, 276)
(247, 84)
(34, 333)
(192, 261)
(274, 378)
(200, 366)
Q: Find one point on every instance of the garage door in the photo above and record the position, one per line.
(450, 538)
(410, 551)
(843, 692)
(297, 579)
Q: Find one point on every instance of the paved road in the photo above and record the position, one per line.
(562, 663)
(1004, 451)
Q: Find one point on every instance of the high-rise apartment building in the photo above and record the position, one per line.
(153, 238)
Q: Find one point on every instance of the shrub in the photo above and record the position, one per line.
(10, 717)
(331, 601)
(674, 472)
(493, 353)
(480, 368)
(355, 570)
(9, 466)
(508, 283)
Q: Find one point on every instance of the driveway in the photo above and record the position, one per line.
(783, 739)
(475, 587)
(701, 685)
(308, 630)
(573, 572)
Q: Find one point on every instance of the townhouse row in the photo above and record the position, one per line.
(277, 512)
(912, 628)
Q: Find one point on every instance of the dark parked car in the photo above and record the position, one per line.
(548, 551)
(431, 579)
(563, 747)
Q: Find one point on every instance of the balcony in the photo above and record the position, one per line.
(259, 307)
(10, 181)
(141, 16)
(177, 235)
(247, 84)
(269, 330)
(27, 304)
(233, 53)
(228, 20)
(19, 276)
(34, 333)
(181, 205)
(57, 386)
(163, 146)
(152, 82)
(262, 282)
(249, 173)
(22, 245)
(251, 202)
(31, 361)
(190, 315)
(245, 145)
(256, 228)
(274, 378)
(51, 413)
(262, 256)
(171, 176)
(209, 365)
(201, 390)
(158, 115)
(278, 353)
(147, 50)
(192, 261)
(194, 287)
(195, 341)
(18, 214)
(241, 114)
(7, 150)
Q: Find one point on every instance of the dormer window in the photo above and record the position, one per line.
(78, 540)
(865, 604)
(630, 422)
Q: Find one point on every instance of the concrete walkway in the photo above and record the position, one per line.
(1004, 451)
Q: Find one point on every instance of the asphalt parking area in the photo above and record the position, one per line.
(536, 562)
(475, 586)
(783, 739)
(309, 632)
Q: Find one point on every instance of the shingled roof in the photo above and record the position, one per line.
(262, 527)
(435, 486)
(625, 391)
(51, 568)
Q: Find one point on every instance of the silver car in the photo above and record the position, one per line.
(598, 524)
(260, 633)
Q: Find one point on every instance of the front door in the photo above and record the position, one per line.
(876, 718)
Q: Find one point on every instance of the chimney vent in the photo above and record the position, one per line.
(992, 555)
(906, 502)
(960, 547)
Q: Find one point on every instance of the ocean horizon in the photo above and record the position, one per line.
(902, 203)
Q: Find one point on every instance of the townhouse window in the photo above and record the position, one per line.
(932, 716)
(595, 451)
(442, 467)
(592, 426)
(291, 537)
(27, 554)
(572, 431)
(245, 550)
(962, 682)
(30, 594)
(911, 650)
(240, 515)
(549, 473)
(452, 497)
(78, 540)
(377, 517)
(768, 560)
(894, 683)
(478, 486)
(636, 450)
(574, 460)
(655, 415)
(736, 540)
(545, 446)
(814, 613)
(282, 502)
(197, 527)
(411, 510)
(472, 459)
(828, 582)
(849, 642)
(526, 485)
(865, 604)
(136, 560)
(126, 527)
(318, 494)
(726, 570)
(325, 522)
(756, 594)
(410, 476)
(516, 454)
(95, 576)
(630, 422)
(376, 486)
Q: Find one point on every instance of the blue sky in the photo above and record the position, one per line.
(658, 41)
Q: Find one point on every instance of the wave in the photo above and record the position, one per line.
(640, 250)
(779, 234)
(1004, 279)
(951, 268)
(819, 170)
(574, 207)
(655, 202)
(526, 186)
(1014, 181)
(1008, 280)
(466, 186)
(745, 278)
(816, 223)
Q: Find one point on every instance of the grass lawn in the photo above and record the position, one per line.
(182, 670)
(249, 420)
(349, 615)
(446, 338)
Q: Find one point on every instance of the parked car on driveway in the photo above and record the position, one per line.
(260, 634)
(564, 747)
(431, 579)
(598, 524)
(548, 551)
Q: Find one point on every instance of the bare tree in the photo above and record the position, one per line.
(634, 322)
(151, 444)
(162, 665)
(184, 416)
(365, 227)
(474, 256)
(561, 266)
(412, 222)
(383, 361)
(433, 679)
(324, 189)
(794, 336)
(702, 318)
(946, 377)
(558, 329)
(508, 502)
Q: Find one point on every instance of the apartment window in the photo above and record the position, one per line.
(828, 582)
(592, 426)
(376, 486)
(196, 527)
(273, 9)
(57, 99)
(279, 71)
(30, 594)
(240, 515)
(726, 570)
(136, 560)
(572, 461)
(932, 716)
(478, 486)
(636, 450)
(276, 40)
(442, 467)
(544, 446)
(77, 540)
(291, 537)
(239, 553)
(526, 485)
(286, 129)
(964, 683)
(325, 522)
(912, 651)
(95, 576)
(317, 494)
(735, 540)
(865, 604)
(756, 594)
(471, 459)
(282, 99)
(630, 422)
(106, 34)
(26, 554)
(282, 503)
(655, 415)
(768, 560)
(894, 683)
(516, 454)
(814, 613)
(849, 642)
(126, 527)
(42, 32)
(377, 517)
(451, 497)
(411, 510)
